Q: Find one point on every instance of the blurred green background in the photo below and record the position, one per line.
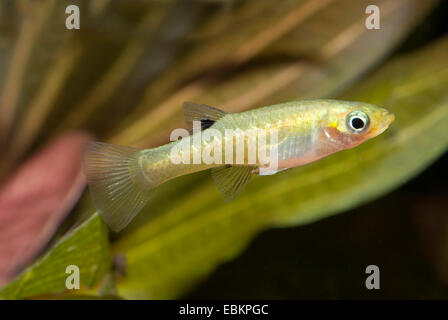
(306, 233)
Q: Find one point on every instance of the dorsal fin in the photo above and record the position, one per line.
(200, 112)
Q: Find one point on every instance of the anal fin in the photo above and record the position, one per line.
(231, 180)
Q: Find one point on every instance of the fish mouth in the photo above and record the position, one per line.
(387, 118)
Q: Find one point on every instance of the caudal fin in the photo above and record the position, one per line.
(116, 182)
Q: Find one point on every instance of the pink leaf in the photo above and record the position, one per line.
(36, 198)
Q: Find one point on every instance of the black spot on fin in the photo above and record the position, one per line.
(231, 180)
(200, 112)
(206, 123)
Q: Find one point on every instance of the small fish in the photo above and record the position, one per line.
(122, 179)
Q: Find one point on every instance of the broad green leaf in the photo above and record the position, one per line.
(185, 241)
(86, 247)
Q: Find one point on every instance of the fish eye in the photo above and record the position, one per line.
(357, 121)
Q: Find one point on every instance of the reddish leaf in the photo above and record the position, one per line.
(36, 198)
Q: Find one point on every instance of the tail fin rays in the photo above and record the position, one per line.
(113, 176)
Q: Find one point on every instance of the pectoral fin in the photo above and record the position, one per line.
(231, 180)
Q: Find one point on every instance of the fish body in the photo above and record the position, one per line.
(234, 145)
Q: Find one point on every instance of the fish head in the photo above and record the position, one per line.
(352, 123)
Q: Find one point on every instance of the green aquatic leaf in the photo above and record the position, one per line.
(86, 247)
(176, 249)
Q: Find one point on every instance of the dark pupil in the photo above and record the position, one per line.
(357, 123)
